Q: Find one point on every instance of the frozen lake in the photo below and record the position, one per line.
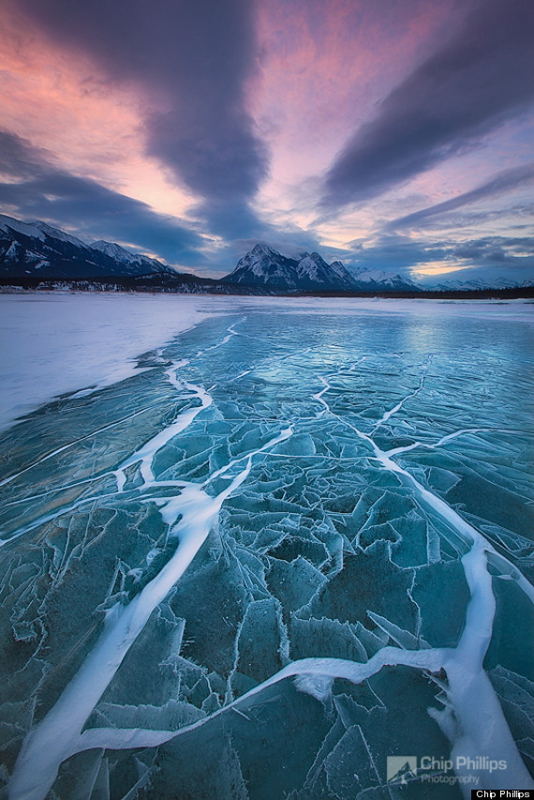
(263, 548)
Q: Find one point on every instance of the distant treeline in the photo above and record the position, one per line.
(471, 294)
(191, 284)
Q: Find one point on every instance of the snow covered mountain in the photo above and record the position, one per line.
(313, 272)
(377, 279)
(133, 261)
(477, 285)
(263, 266)
(37, 250)
(36, 254)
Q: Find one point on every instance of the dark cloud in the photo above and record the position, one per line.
(35, 189)
(233, 220)
(502, 182)
(475, 82)
(239, 224)
(19, 159)
(496, 250)
(196, 56)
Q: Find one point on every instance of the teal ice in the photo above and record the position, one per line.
(293, 545)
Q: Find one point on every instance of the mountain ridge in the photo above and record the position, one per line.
(28, 249)
(37, 255)
(265, 266)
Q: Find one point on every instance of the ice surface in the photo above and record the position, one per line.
(295, 542)
(53, 344)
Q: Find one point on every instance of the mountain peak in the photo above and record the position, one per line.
(267, 267)
(263, 247)
(313, 258)
(114, 251)
(264, 266)
(28, 229)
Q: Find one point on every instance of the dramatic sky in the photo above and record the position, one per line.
(392, 134)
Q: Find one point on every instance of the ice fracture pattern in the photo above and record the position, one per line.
(290, 547)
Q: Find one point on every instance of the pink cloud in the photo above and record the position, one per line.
(325, 66)
(59, 100)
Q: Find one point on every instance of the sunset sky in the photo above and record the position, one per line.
(392, 135)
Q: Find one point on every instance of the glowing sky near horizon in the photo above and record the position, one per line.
(391, 136)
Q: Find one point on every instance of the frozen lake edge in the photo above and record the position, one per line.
(54, 342)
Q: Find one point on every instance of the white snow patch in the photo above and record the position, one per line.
(21, 227)
(57, 343)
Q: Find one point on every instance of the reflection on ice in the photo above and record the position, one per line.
(257, 542)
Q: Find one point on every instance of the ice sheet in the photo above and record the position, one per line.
(53, 343)
(299, 544)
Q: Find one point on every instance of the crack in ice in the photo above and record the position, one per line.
(50, 741)
(472, 717)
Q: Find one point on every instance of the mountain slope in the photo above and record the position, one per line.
(264, 266)
(38, 250)
(137, 263)
(314, 273)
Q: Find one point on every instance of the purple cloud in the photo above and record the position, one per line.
(482, 77)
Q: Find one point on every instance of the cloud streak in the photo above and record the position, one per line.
(195, 60)
(478, 80)
(504, 181)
